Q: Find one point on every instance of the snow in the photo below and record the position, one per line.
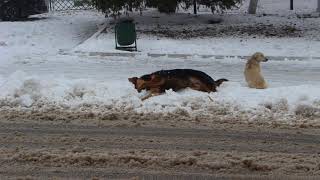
(215, 46)
(238, 35)
(34, 72)
(46, 34)
(281, 7)
(105, 84)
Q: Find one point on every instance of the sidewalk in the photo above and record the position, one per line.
(103, 44)
(183, 56)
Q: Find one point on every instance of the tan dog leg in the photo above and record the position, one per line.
(149, 96)
(153, 92)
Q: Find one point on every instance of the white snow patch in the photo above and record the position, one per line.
(46, 34)
(210, 46)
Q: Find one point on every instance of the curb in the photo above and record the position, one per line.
(181, 56)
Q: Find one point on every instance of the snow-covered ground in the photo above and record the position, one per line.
(46, 34)
(279, 33)
(34, 74)
(286, 47)
(281, 7)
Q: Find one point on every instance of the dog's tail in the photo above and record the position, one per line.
(220, 81)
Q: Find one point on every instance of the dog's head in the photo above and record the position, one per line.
(146, 82)
(138, 83)
(259, 57)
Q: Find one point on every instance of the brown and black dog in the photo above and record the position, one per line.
(175, 79)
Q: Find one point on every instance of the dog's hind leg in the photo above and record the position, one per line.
(196, 84)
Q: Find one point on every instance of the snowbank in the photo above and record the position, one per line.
(20, 90)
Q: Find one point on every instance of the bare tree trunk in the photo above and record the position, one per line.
(291, 4)
(195, 6)
(318, 9)
(253, 6)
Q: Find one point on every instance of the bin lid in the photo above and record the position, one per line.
(125, 20)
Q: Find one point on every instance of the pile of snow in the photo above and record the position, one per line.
(20, 90)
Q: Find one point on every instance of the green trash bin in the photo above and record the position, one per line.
(125, 35)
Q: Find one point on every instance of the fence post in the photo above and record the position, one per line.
(195, 6)
(50, 5)
(291, 4)
(253, 6)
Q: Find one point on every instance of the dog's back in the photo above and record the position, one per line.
(185, 74)
(177, 79)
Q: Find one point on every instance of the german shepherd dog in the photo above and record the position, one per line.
(176, 79)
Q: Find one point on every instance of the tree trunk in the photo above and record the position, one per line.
(291, 4)
(318, 9)
(195, 6)
(253, 6)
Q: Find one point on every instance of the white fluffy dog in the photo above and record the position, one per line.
(252, 71)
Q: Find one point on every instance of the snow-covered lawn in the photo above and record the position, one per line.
(35, 74)
(285, 47)
(46, 34)
(279, 33)
(281, 7)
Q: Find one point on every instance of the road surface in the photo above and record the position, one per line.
(65, 151)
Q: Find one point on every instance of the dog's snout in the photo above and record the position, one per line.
(266, 59)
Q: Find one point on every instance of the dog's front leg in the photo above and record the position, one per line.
(153, 92)
(147, 96)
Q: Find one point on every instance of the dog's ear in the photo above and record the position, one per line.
(155, 78)
(133, 80)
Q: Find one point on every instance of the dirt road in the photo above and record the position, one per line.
(46, 151)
